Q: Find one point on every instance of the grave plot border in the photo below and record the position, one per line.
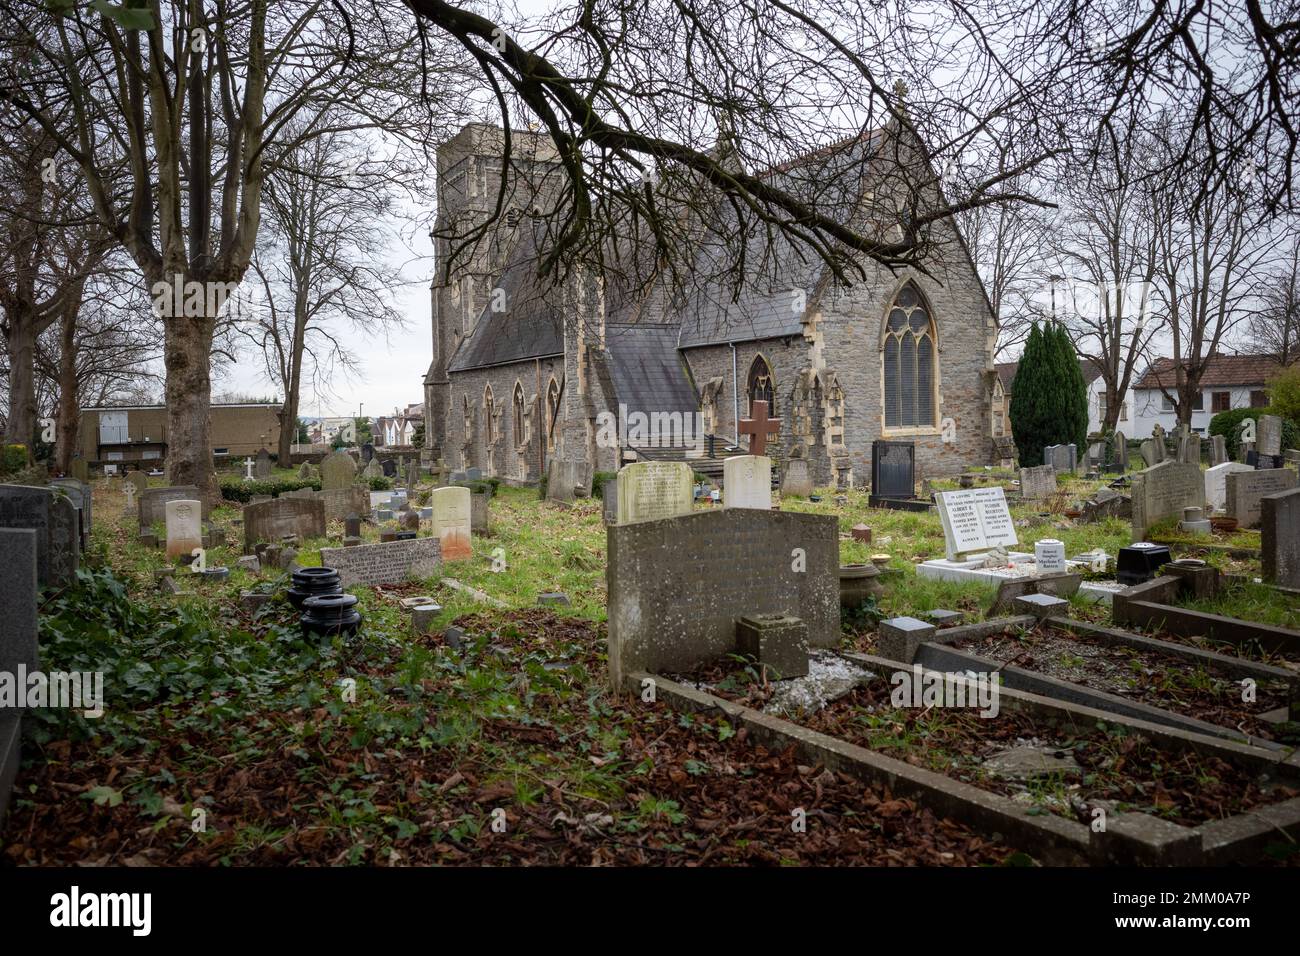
(937, 654)
(1131, 606)
(1129, 838)
(900, 504)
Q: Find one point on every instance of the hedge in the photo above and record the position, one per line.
(1228, 424)
(235, 488)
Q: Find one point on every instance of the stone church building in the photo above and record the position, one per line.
(524, 373)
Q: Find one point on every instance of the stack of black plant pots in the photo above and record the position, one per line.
(309, 582)
(329, 615)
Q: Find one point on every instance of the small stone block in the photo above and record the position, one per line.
(1042, 605)
(777, 641)
(553, 597)
(900, 637)
(351, 542)
(860, 532)
(251, 601)
(149, 539)
(455, 637)
(941, 617)
(422, 618)
(249, 562)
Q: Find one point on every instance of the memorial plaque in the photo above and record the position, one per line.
(677, 586)
(650, 490)
(975, 519)
(390, 562)
(1163, 491)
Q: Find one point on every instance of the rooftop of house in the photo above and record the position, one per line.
(1007, 372)
(1221, 371)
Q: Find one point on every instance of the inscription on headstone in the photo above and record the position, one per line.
(386, 563)
(747, 482)
(1163, 491)
(1246, 488)
(650, 490)
(975, 519)
(272, 520)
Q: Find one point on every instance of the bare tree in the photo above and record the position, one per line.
(321, 264)
(191, 99)
(1274, 327)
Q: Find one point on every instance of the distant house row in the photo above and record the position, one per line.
(1229, 381)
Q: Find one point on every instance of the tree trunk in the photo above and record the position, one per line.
(188, 351)
(21, 427)
(68, 409)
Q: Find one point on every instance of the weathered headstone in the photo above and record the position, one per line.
(262, 465)
(272, 520)
(340, 502)
(975, 520)
(747, 482)
(1280, 538)
(1189, 449)
(677, 586)
(479, 517)
(1063, 458)
(650, 490)
(1246, 488)
(1216, 483)
(385, 563)
(23, 506)
(65, 540)
(609, 501)
(153, 502)
(1269, 435)
(451, 522)
(566, 480)
(389, 467)
(1150, 454)
(79, 493)
(1218, 450)
(796, 479)
(893, 469)
(18, 645)
(337, 470)
(1163, 491)
(367, 452)
(1037, 482)
(1119, 450)
(184, 527)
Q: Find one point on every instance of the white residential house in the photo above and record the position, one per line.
(1229, 381)
(1096, 386)
(399, 428)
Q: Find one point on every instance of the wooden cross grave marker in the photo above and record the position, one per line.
(759, 427)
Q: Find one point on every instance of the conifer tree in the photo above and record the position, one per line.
(1049, 401)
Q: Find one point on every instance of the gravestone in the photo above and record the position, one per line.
(893, 469)
(1216, 483)
(1037, 482)
(1246, 488)
(337, 470)
(141, 482)
(23, 506)
(1189, 449)
(796, 479)
(152, 504)
(1150, 455)
(1218, 450)
(975, 520)
(272, 520)
(566, 480)
(373, 469)
(747, 482)
(1280, 538)
(352, 525)
(65, 541)
(1119, 450)
(81, 469)
(184, 527)
(340, 502)
(304, 472)
(650, 490)
(262, 466)
(1063, 458)
(758, 428)
(18, 645)
(609, 500)
(389, 468)
(389, 562)
(1096, 454)
(474, 474)
(1004, 448)
(367, 452)
(479, 517)
(412, 473)
(1163, 491)
(451, 522)
(677, 586)
(1269, 435)
(79, 493)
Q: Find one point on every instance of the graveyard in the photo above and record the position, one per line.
(432, 667)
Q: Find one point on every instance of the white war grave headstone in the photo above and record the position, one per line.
(184, 527)
(451, 522)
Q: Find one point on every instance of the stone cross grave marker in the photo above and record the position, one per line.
(18, 646)
(1245, 489)
(139, 481)
(975, 519)
(759, 427)
(676, 586)
(747, 482)
(451, 522)
(1163, 491)
(249, 465)
(650, 490)
(184, 527)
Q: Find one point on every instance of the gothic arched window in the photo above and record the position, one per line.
(469, 419)
(552, 412)
(761, 387)
(519, 413)
(490, 425)
(910, 362)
